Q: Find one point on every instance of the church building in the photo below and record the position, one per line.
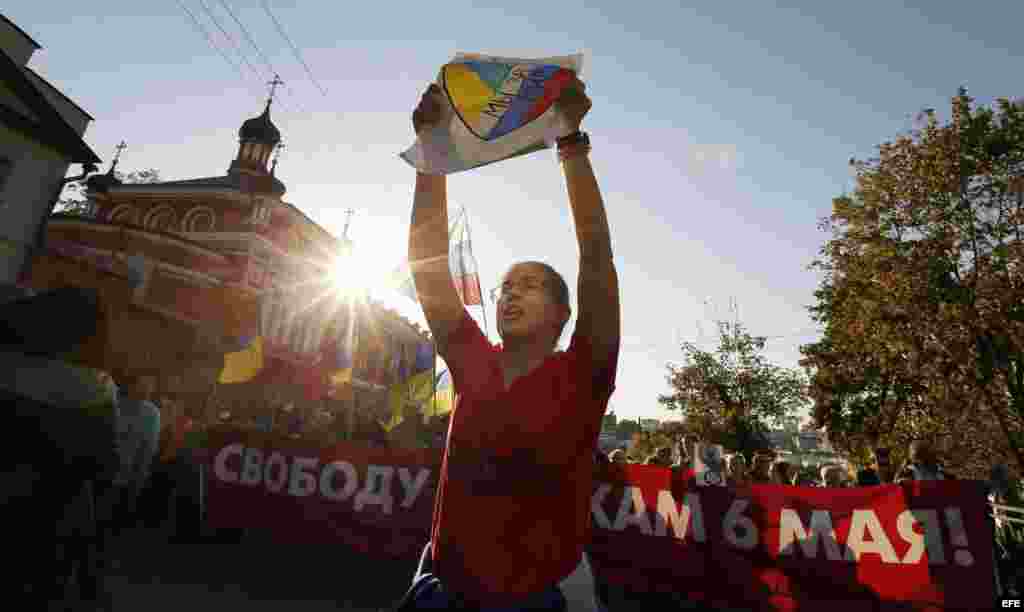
(201, 267)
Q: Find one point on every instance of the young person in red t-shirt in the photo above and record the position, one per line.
(512, 512)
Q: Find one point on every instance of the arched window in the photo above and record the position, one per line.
(199, 219)
(161, 218)
(124, 214)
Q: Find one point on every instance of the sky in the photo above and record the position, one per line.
(720, 134)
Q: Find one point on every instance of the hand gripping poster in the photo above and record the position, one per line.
(495, 108)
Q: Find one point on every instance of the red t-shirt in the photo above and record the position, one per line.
(512, 511)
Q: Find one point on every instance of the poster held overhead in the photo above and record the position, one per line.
(495, 108)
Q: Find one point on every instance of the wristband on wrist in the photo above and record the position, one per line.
(569, 152)
(576, 144)
(576, 138)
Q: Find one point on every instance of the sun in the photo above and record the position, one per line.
(366, 270)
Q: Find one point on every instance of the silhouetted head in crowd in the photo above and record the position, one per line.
(868, 478)
(783, 473)
(662, 457)
(883, 460)
(834, 476)
(762, 470)
(738, 473)
(905, 475)
(922, 453)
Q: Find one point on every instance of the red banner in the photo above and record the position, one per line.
(376, 500)
(924, 544)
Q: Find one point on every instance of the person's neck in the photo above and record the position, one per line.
(521, 355)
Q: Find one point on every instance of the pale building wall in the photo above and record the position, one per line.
(26, 196)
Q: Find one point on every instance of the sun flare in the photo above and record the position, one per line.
(362, 272)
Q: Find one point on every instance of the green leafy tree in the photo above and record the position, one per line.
(625, 429)
(73, 199)
(609, 422)
(922, 296)
(733, 395)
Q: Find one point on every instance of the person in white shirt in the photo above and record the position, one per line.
(138, 429)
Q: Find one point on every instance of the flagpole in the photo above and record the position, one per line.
(469, 242)
(433, 379)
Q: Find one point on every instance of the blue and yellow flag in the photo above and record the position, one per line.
(424, 358)
(242, 366)
(444, 397)
(407, 398)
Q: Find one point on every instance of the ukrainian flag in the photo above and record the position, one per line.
(242, 366)
(444, 397)
(412, 395)
(407, 398)
(424, 358)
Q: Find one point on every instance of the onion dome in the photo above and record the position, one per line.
(260, 129)
(101, 182)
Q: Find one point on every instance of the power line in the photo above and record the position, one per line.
(252, 41)
(238, 49)
(248, 36)
(209, 39)
(295, 50)
(230, 39)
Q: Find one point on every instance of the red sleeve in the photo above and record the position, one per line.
(469, 355)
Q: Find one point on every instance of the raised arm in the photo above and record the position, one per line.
(598, 291)
(428, 238)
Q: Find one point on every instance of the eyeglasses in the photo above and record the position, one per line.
(524, 285)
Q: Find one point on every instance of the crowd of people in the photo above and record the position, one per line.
(769, 467)
(326, 427)
(94, 454)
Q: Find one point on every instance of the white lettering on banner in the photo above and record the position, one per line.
(596, 510)
(931, 539)
(791, 531)
(865, 523)
(327, 488)
(680, 517)
(220, 464)
(735, 521)
(302, 484)
(377, 489)
(412, 488)
(633, 511)
(275, 460)
(252, 467)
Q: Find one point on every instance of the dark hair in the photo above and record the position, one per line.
(557, 289)
(868, 478)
